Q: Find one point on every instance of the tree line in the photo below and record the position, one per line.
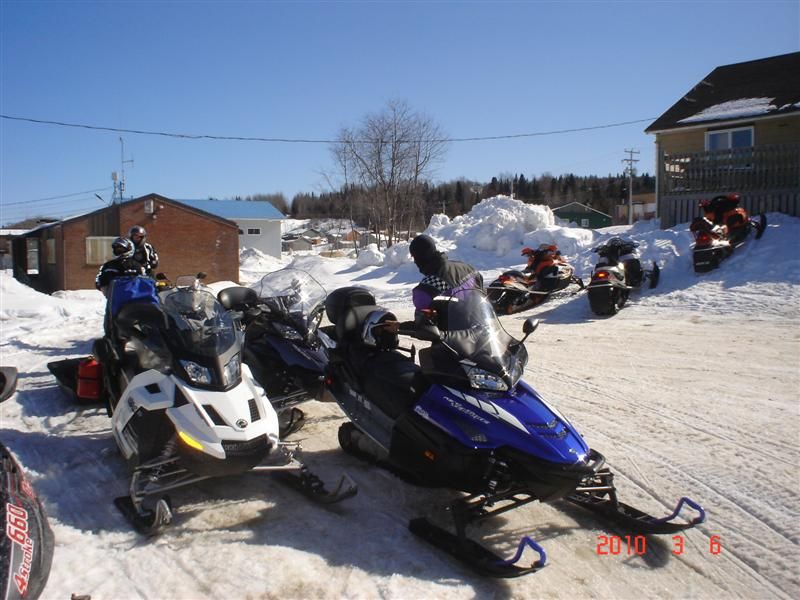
(455, 198)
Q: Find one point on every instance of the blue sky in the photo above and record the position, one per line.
(306, 69)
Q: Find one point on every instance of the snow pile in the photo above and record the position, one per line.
(497, 225)
(18, 301)
(370, 257)
(253, 264)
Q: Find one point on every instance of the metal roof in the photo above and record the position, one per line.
(236, 209)
(733, 92)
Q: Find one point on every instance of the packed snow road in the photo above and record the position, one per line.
(680, 403)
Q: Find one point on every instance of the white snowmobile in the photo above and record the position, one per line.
(183, 406)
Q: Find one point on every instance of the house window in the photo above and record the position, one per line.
(584, 222)
(98, 249)
(32, 255)
(50, 250)
(253, 231)
(727, 139)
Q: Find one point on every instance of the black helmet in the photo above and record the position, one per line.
(422, 249)
(137, 230)
(122, 247)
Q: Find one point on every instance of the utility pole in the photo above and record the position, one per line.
(630, 169)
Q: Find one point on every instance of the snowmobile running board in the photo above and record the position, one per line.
(598, 495)
(472, 509)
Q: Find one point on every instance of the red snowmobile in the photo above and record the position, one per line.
(546, 272)
(723, 227)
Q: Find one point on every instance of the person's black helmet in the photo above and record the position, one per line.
(137, 230)
(423, 249)
(122, 247)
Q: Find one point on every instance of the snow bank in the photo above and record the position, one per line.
(497, 225)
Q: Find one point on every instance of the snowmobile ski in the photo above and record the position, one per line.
(290, 421)
(312, 487)
(476, 556)
(598, 495)
(146, 522)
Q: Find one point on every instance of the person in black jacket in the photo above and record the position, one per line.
(442, 275)
(144, 253)
(123, 264)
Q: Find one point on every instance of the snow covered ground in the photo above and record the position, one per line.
(692, 389)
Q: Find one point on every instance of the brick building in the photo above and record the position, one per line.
(66, 255)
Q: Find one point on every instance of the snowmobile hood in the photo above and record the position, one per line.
(519, 419)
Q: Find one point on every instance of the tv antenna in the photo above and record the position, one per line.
(119, 184)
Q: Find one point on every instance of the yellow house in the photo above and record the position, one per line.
(737, 130)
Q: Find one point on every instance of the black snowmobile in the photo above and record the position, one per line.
(26, 549)
(464, 419)
(284, 346)
(183, 407)
(617, 272)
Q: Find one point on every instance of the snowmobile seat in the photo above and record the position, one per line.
(340, 301)
(393, 381)
(349, 325)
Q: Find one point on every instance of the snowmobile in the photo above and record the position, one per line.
(617, 272)
(723, 227)
(515, 291)
(183, 407)
(26, 549)
(8, 382)
(283, 345)
(464, 419)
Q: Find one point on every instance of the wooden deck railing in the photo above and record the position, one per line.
(740, 170)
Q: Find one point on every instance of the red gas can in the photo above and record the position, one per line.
(90, 378)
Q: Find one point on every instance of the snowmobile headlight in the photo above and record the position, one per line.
(190, 441)
(196, 373)
(288, 332)
(232, 371)
(483, 380)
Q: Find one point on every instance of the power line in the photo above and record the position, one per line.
(56, 197)
(191, 136)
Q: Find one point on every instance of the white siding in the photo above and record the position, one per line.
(268, 242)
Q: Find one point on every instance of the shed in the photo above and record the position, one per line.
(582, 215)
(67, 254)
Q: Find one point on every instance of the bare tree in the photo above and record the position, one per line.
(391, 154)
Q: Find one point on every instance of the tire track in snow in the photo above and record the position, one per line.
(741, 556)
(648, 409)
(589, 386)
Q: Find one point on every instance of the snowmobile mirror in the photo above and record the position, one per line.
(201, 275)
(161, 277)
(529, 326)
(237, 298)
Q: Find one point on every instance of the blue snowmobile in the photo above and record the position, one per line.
(464, 419)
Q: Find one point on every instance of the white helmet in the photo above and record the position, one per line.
(376, 336)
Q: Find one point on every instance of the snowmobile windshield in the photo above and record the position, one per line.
(293, 296)
(469, 326)
(198, 322)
